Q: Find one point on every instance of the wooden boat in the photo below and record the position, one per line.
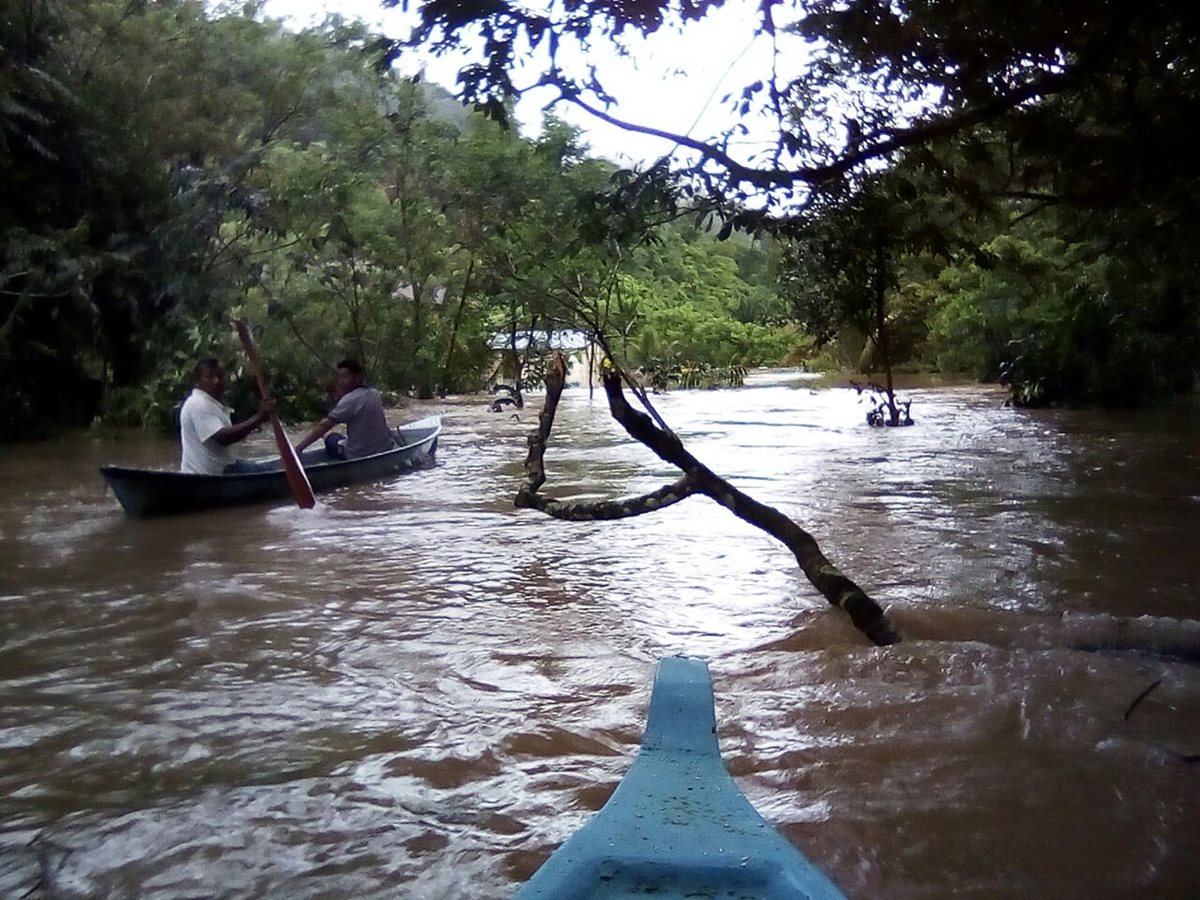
(677, 826)
(146, 492)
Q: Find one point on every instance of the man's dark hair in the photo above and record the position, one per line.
(208, 363)
(352, 366)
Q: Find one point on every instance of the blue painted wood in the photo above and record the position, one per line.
(145, 492)
(677, 825)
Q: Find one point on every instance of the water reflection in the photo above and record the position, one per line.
(416, 690)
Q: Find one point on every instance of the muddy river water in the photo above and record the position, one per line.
(417, 691)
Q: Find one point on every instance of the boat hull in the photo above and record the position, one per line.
(677, 825)
(143, 493)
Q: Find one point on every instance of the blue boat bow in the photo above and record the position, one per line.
(677, 825)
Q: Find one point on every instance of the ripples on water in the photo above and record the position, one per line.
(417, 691)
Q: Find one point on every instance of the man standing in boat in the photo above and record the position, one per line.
(360, 409)
(206, 428)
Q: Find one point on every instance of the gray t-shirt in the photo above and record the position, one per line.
(367, 432)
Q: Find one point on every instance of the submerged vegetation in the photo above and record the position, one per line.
(170, 165)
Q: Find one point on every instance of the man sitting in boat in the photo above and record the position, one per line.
(206, 428)
(360, 409)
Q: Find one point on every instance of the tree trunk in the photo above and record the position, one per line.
(458, 316)
(514, 357)
(423, 380)
(879, 286)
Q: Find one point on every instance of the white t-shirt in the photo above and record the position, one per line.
(202, 417)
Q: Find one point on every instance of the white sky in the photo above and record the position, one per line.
(675, 81)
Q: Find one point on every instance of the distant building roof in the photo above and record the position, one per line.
(549, 340)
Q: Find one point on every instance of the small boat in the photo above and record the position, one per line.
(677, 825)
(146, 492)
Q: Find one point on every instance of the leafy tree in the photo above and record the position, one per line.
(1062, 323)
(881, 77)
(1075, 106)
(522, 211)
(130, 130)
(845, 269)
(694, 311)
(72, 225)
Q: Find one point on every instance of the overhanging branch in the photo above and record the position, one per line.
(882, 144)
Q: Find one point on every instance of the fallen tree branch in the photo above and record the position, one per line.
(589, 511)
(607, 510)
(697, 478)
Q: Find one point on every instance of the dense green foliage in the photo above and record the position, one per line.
(988, 114)
(952, 187)
(167, 168)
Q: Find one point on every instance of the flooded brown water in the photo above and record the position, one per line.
(417, 691)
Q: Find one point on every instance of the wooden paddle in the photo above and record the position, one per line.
(296, 476)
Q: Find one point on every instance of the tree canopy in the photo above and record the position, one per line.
(878, 78)
(169, 165)
(1073, 112)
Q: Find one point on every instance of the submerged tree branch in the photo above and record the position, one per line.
(608, 510)
(697, 478)
(588, 511)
